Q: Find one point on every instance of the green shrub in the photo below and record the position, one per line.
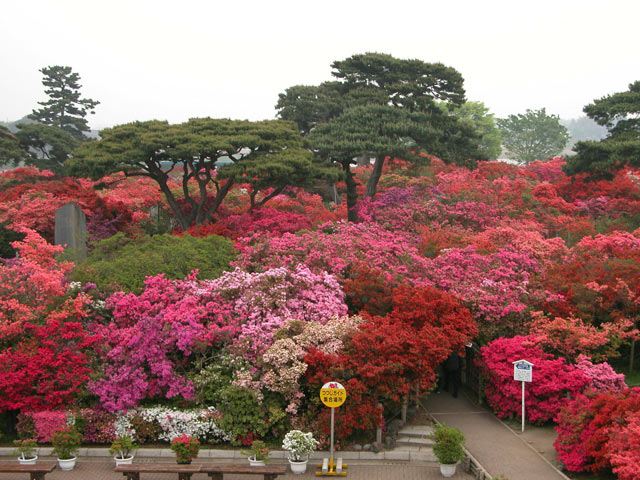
(245, 417)
(121, 263)
(449, 442)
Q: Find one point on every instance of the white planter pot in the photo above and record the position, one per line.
(123, 461)
(298, 467)
(27, 461)
(67, 464)
(448, 470)
(255, 463)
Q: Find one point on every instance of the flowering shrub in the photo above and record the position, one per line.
(572, 425)
(299, 445)
(145, 424)
(283, 364)
(624, 448)
(44, 361)
(186, 448)
(96, 425)
(554, 379)
(498, 287)
(42, 425)
(258, 451)
(201, 424)
(602, 378)
(335, 248)
(569, 337)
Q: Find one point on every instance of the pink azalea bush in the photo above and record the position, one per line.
(262, 302)
(554, 379)
(157, 335)
(283, 362)
(335, 248)
(46, 423)
(498, 287)
(602, 377)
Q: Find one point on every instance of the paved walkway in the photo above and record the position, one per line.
(92, 468)
(498, 449)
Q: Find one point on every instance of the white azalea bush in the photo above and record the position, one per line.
(300, 445)
(198, 423)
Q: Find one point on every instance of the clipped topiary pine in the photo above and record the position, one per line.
(121, 263)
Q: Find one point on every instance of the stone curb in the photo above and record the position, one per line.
(391, 455)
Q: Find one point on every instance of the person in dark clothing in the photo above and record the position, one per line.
(452, 373)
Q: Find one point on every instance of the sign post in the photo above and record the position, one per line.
(523, 372)
(332, 394)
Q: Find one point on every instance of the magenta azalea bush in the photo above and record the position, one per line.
(554, 380)
(158, 334)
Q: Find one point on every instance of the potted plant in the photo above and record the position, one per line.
(300, 446)
(26, 449)
(448, 448)
(66, 442)
(258, 453)
(186, 448)
(123, 448)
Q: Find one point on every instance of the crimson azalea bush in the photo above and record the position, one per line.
(554, 379)
(594, 432)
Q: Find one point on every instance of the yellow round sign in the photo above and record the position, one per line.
(333, 394)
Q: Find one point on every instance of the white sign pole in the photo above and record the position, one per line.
(523, 372)
(523, 407)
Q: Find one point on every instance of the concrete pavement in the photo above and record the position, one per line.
(93, 468)
(497, 448)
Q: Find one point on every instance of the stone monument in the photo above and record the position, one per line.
(71, 231)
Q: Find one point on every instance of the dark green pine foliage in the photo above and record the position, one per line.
(264, 154)
(380, 131)
(64, 109)
(620, 113)
(12, 151)
(396, 90)
(48, 147)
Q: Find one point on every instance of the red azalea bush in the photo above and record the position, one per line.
(360, 413)
(268, 221)
(44, 362)
(609, 412)
(554, 379)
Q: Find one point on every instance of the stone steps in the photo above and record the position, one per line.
(415, 438)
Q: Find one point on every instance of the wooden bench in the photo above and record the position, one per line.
(36, 472)
(217, 471)
(133, 471)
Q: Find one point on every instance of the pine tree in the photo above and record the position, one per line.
(64, 109)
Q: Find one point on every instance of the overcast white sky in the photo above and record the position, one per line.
(179, 59)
